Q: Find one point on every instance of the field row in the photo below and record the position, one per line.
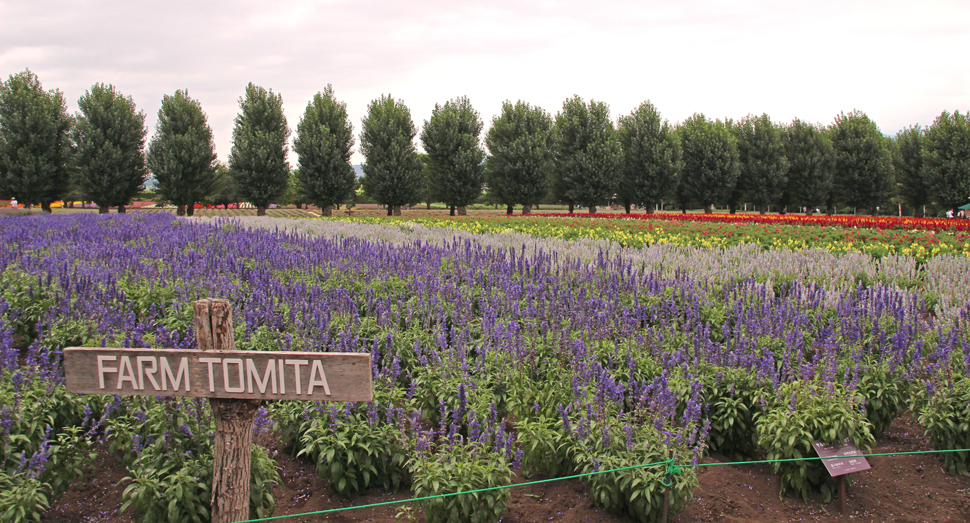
(494, 355)
(918, 244)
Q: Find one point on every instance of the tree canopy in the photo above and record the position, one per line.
(762, 164)
(392, 171)
(710, 156)
(257, 161)
(863, 165)
(520, 143)
(325, 141)
(587, 152)
(907, 153)
(451, 140)
(651, 158)
(35, 141)
(810, 165)
(110, 139)
(946, 159)
(181, 155)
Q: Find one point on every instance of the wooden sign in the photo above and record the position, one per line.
(852, 462)
(235, 382)
(319, 376)
(842, 459)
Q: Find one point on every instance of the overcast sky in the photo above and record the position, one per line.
(902, 62)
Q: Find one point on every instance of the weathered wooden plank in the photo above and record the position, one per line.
(319, 376)
(203, 324)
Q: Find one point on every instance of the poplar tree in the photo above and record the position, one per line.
(763, 166)
(392, 171)
(451, 140)
(181, 155)
(863, 165)
(810, 165)
(110, 138)
(907, 152)
(588, 152)
(35, 141)
(651, 158)
(521, 148)
(257, 162)
(946, 159)
(325, 141)
(710, 161)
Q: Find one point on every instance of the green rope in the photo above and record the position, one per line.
(666, 481)
(753, 462)
(500, 487)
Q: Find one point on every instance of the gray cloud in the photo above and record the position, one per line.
(899, 61)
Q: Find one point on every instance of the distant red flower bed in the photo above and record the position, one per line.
(820, 220)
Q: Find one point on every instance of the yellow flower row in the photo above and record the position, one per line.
(626, 235)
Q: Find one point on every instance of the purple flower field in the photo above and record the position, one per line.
(493, 355)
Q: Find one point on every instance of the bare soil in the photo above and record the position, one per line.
(898, 489)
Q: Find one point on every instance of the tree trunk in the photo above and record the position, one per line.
(326, 210)
(570, 208)
(626, 208)
(526, 209)
(46, 207)
(592, 209)
(428, 206)
(452, 211)
(508, 210)
(231, 465)
(462, 210)
(708, 209)
(102, 210)
(648, 209)
(180, 210)
(190, 209)
(260, 211)
(918, 212)
(233, 444)
(857, 212)
(396, 210)
(389, 210)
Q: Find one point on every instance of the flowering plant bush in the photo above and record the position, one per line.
(944, 413)
(357, 447)
(801, 414)
(167, 445)
(638, 492)
(462, 467)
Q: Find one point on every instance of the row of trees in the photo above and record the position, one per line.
(582, 159)
(578, 156)
(99, 153)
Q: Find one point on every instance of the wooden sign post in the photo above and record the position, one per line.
(235, 382)
(851, 461)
